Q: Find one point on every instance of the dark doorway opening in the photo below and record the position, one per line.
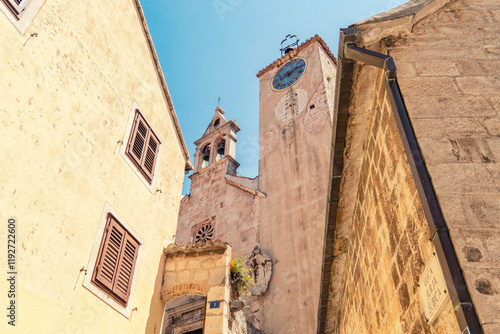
(198, 331)
(184, 315)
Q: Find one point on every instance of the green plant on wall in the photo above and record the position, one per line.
(241, 278)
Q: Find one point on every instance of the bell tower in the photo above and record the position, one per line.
(218, 142)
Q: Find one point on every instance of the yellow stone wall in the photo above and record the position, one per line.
(450, 78)
(200, 269)
(66, 96)
(387, 234)
(447, 62)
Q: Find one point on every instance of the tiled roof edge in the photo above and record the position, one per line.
(302, 46)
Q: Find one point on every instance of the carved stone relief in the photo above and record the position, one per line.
(262, 268)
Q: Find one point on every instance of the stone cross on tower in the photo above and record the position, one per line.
(218, 142)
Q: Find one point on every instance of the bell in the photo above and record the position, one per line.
(221, 149)
(206, 156)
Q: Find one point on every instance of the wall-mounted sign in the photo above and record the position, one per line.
(433, 291)
(215, 304)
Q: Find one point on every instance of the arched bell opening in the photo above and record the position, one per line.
(216, 123)
(220, 145)
(205, 152)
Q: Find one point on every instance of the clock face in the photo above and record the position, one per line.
(289, 73)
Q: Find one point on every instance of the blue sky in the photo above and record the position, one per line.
(214, 48)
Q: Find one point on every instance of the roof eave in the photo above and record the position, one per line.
(285, 58)
(188, 165)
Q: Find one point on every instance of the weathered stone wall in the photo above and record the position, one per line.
(66, 96)
(447, 58)
(230, 210)
(450, 78)
(184, 314)
(388, 242)
(201, 269)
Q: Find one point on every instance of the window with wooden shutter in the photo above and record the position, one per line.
(143, 147)
(116, 261)
(17, 6)
(21, 12)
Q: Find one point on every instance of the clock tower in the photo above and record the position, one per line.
(296, 122)
(276, 220)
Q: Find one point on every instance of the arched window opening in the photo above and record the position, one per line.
(206, 156)
(217, 123)
(220, 144)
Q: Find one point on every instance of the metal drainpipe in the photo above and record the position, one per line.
(440, 237)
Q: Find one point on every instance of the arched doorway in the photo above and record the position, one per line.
(194, 271)
(184, 315)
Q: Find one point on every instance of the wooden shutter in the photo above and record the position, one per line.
(138, 139)
(125, 270)
(143, 147)
(149, 161)
(116, 260)
(17, 6)
(110, 253)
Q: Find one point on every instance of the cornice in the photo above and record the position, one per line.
(199, 247)
(278, 62)
(188, 165)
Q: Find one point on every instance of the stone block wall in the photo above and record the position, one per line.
(200, 270)
(230, 210)
(449, 70)
(388, 242)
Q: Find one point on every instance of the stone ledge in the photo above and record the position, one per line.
(199, 247)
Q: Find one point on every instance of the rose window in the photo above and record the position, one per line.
(205, 233)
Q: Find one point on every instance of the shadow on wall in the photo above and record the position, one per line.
(156, 306)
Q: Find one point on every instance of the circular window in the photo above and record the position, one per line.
(205, 233)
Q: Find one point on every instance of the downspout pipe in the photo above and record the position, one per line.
(440, 236)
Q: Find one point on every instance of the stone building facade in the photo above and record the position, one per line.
(381, 226)
(343, 235)
(411, 238)
(76, 84)
(282, 210)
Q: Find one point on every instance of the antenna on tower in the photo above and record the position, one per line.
(218, 102)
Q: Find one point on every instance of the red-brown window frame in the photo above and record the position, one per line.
(116, 260)
(144, 155)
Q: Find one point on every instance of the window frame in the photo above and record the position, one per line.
(148, 138)
(112, 231)
(17, 9)
(96, 287)
(21, 15)
(128, 138)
